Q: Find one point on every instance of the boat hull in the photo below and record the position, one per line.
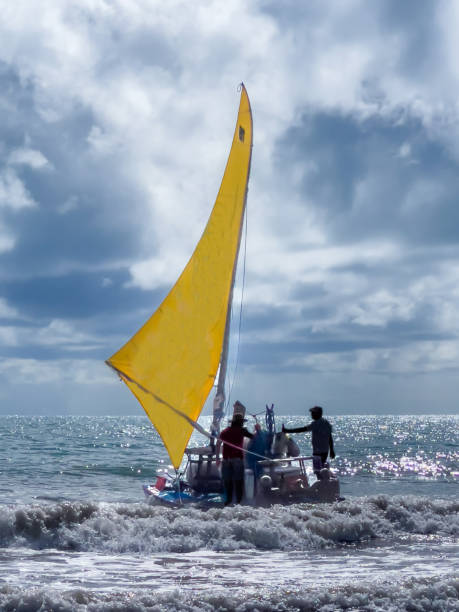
(255, 494)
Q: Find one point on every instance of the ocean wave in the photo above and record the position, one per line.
(422, 595)
(143, 529)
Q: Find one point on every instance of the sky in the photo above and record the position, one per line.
(116, 119)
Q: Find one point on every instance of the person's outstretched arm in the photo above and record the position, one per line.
(332, 450)
(296, 429)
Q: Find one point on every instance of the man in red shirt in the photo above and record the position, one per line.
(233, 457)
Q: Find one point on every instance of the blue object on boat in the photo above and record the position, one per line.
(176, 498)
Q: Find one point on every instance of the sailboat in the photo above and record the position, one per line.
(173, 360)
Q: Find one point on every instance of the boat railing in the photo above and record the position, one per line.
(283, 460)
(200, 450)
(282, 464)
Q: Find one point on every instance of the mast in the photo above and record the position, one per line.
(219, 399)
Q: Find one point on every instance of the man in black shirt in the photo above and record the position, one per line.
(322, 439)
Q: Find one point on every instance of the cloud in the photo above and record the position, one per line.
(6, 311)
(6, 240)
(70, 204)
(13, 193)
(28, 157)
(117, 122)
(34, 371)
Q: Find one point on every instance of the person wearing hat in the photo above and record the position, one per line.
(233, 454)
(322, 439)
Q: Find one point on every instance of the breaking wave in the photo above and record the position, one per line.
(422, 595)
(143, 529)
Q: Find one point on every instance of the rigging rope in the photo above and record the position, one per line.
(244, 259)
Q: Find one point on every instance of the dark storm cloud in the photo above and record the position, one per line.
(288, 356)
(103, 221)
(410, 264)
(139, 49)
(105, 314)
(76, 295)
(270, 317)
(366, 171)
(87, 215)
(92, 233)
(376, 312)
(290, 10)
(375, 179)
(415, 21)
(47, 353)
(132, 48)
(16, 103)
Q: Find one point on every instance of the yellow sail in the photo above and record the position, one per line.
(172, 361)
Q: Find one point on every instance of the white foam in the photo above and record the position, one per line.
(422, 595)
(121, 528)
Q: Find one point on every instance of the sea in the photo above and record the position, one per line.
(76, 533)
